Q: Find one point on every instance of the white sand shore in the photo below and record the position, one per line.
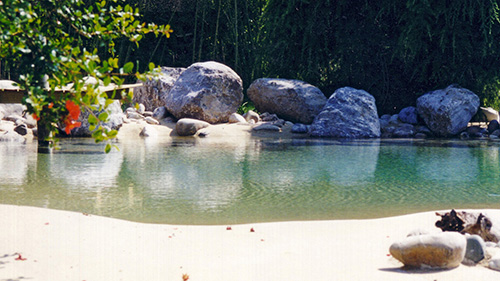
(218, 133)
(60, 245)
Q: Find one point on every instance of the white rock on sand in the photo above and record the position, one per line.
(60, 245)
(495, 262)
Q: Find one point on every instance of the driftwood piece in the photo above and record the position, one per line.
(467, 222)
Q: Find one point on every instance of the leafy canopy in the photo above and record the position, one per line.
(55, 44)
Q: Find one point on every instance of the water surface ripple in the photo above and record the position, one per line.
(200, 182)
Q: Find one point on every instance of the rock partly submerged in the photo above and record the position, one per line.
(448, 111)
(292, 100)
(207, 91)
(348, 113)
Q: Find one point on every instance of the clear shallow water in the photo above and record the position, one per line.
(201, 182)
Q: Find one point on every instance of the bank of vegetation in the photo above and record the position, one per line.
(396, 50)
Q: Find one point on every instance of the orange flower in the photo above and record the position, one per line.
(35, 117)
(70, 125)
(74, 110)
(70, 120)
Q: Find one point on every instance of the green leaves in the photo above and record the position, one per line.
(103, 116)
(93, 121)
(113, 62)
(107, 149)
(110, 146)
(128, 67)
(71, 42)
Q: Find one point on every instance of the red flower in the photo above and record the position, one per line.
(70, 125)
(35, 117)
(74, 110)
(74, 113)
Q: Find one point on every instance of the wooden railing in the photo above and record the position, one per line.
(15, 95)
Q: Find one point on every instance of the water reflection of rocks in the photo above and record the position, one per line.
(15, 159)
(200, 181)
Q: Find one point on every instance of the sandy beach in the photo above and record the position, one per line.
(44, 244)
(218, 133)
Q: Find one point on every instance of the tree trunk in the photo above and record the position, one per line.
(43, 133)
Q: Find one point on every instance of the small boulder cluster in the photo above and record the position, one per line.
(15, 124)
(352, 113)
(467, 238)
(208, 93)
(442, 113)
(211, 92)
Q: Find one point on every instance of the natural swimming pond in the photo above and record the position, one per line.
(196, 181)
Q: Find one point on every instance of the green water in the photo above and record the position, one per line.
(201, 182)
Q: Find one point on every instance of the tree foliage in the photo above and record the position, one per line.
(53, 44)
(226, 31)
(396, 50)
(444, 42)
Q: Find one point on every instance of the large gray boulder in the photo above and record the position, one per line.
(115, 120)
(448, 111)
(207, 91)
(292, 100)
(155, 90)
(348, 113)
